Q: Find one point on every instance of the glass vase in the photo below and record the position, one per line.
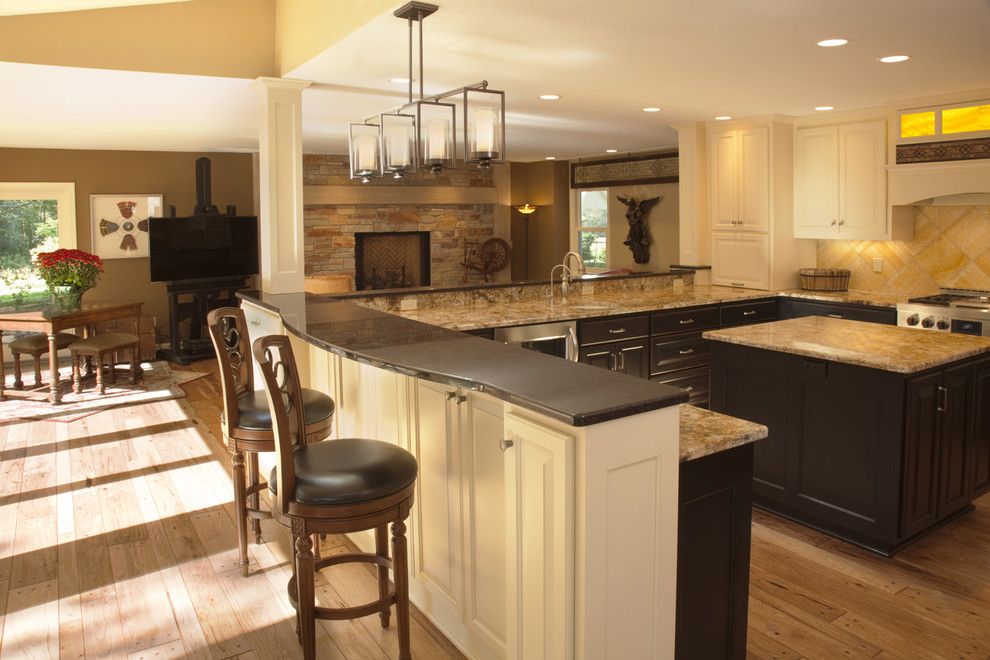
(66, 298)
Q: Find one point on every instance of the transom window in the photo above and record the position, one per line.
(592, 228)
(970, 120)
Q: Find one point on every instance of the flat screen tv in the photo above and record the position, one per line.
(203, 246)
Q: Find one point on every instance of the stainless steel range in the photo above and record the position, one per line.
(965, 311)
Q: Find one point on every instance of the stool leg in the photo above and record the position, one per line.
(381, 549)
(237, 476)
(37, 370)
(306, 595)
(76, 377)
(113, 368)
(18, 383)
(101, 388)
(135, 364)
(401, 575)
(253, 500)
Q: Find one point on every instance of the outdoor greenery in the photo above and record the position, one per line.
(27, 226)
(592, 236)
(593, 249)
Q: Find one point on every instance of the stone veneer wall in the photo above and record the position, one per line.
(951, 248)
(330, 228)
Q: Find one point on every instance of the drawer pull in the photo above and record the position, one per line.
(835, 316)
(686, 351)
(736, 284)
(686, 321)
(689, 388)
(749, 313)
(505, 443)
(616, 331)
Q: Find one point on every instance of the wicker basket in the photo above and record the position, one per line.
(824, 279)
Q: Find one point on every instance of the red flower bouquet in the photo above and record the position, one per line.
(73, 268)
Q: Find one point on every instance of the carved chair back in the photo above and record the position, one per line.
(228, 330)
(281, 381)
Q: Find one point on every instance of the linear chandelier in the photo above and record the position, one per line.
(422, 132)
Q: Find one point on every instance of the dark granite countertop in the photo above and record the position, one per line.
(574, 393)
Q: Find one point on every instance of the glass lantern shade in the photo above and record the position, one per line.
(365, 151)
(484, 124)
(398, 144)
(437, 124)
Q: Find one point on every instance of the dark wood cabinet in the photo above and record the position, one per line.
(628, 357)
(616, 328)
(791, 308)
(980, 446)
(751, 311)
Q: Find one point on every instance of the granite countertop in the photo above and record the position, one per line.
(574, 393)
(873, 345)
(704, 432)
(852, 297)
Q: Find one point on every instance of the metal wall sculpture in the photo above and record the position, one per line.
(638, 238)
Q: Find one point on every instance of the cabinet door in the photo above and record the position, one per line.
(980, 449)
(863, 180)
(919, 507)
(741, 260)
(539, 520)
(956, 417)
(633, 357)
(816, 182)
(598, 356)
(723, 185)
(754, 179)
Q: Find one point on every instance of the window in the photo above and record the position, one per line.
(592, 228)
(966, 121)
(34, 217)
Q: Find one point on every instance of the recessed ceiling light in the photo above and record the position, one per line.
(549, 97)
(723, 118)
(401, 81)
(611, 151)
(551, 158)
(833, 42)
(893, 59)
(651, 109)
(823, 108)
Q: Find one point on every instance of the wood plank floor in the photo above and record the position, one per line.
(117, 541)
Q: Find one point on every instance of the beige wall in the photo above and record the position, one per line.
(102, 172)
(950, 248)
(544, 235)
(663, 225)
(305, 28)
(233, 38)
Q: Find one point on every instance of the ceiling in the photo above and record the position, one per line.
(694, 58)
(19, 7)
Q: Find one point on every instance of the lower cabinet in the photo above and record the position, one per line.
(980, 451)
(627, 357)
(792, 309)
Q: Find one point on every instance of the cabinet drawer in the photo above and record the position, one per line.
(681, 320)
(626, 327)
(746, 313)
(679, 352)
(695, 381)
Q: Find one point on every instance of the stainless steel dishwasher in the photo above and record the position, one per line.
(557, 339)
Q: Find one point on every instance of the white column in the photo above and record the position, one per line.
(280, 184)
(695, 234)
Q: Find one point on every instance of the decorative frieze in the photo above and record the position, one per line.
(936, 152)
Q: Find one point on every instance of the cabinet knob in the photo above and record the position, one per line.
(835, 222)
(505, 443)
(461, 398)
(451, 395)
(842, 222)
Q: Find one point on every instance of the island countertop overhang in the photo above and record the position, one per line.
(574, 393)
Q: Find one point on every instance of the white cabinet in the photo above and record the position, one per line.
(740, 260)
(740, 179)
(840, 181)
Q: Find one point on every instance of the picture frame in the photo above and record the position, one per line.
(119, 223)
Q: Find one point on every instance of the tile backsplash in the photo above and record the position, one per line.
(951, 248)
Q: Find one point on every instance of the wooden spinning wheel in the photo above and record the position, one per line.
(487, 258)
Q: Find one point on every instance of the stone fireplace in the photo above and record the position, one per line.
(391, 259)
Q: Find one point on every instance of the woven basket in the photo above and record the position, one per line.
(824, 279)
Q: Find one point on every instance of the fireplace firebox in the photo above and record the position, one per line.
(391, 259)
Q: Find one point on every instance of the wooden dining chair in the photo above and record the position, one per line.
(246, 420)
(335, 487)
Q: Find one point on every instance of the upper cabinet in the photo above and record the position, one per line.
(840, 181)
(739, 162)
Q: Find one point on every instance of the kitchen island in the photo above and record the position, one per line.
(878, 434)
(546, 516)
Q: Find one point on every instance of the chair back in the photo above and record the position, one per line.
(278, 369)
(228, 330)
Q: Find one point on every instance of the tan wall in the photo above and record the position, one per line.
(662, 224)
(305, 28)
(234, 38)
(545, 233)
(950, 248)
(102, 172)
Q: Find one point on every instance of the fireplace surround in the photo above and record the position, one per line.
(391, 259)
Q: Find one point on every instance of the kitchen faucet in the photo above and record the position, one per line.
(565, 276)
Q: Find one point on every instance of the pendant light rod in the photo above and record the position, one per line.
(481, 84)
(420, 19)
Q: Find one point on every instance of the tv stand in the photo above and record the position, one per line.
(191, 301)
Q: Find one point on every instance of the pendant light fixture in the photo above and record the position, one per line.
(423, 132)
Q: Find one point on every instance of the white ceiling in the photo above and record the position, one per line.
(694, 58)
(16, 7)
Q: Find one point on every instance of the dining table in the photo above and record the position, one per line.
(52, 320)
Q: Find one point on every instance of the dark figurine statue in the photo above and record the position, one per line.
(638, 238)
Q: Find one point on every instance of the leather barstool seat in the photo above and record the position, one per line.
(254, 414)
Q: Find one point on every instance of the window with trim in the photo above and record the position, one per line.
(592, 228)
(34, 217)
(947, 122)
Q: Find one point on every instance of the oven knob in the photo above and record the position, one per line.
(927, 322)
(942, 324)
(912, 320)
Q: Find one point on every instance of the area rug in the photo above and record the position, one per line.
(159, 383)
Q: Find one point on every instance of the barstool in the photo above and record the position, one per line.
(246, 421)
(35, 345)
(335, 487)
(100, 347)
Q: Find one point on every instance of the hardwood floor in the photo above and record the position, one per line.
(117, 540)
